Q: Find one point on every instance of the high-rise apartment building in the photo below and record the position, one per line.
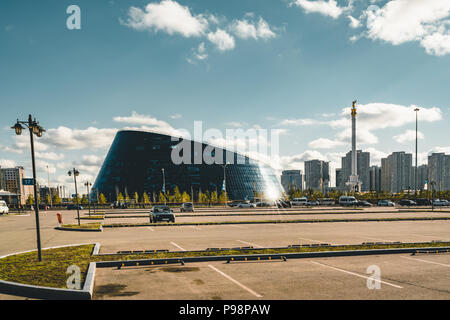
(439, 171)
(397, 172)
(317, 175)
(292, 179)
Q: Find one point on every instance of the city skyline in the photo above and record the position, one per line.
(115, 73)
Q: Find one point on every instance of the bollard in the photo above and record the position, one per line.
(59, 217)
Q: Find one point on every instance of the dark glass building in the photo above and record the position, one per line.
(137, 159)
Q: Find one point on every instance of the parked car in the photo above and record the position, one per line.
(406, 202)
(299, 201)
(423, 202)
(74, 207)
(187, 207)
(440, 203)
(3, 207)
(161, 213)
(363, 203)
(347, 201)
(264, 204)
(119, 205)
(234, 203)
(284, 204)
(312, 203)
(386, 203)
(327, 202)
(246, 204)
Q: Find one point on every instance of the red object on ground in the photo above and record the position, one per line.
(59, 216)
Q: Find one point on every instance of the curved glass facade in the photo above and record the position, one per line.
(136, 160)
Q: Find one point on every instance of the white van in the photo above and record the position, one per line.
(3, 207)
(347, 201)
(299, 201)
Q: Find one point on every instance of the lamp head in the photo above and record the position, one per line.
(18, 128)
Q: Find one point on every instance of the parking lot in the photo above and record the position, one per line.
(421, 276)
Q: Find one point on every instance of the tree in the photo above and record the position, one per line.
(177, 195)
(120, 196)
(185, 197)
(47, 199)
(57, 199)
(102, 199)
(145, 199)
(84, 199)
(223, 197)
(213, 197)
(30, 200)
(161, 198)
(136, 198)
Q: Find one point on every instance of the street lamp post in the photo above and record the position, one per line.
(75, 173)
(88, 184)
(224, 166)
(415, 173)
(164, 186)
(36, 129)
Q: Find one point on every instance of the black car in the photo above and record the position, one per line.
(74, 207)
(234, 203)
(406, 202)
(284, 204)
(161, 213)
(423, 202)
(120, 205)
(363, 203)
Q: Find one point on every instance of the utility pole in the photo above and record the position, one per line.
(415, 173)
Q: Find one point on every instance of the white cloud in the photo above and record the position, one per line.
(76, 139)
(400, 21)
(49, 156)
(324, 143)
(327, 8)
(167, 16)
(222, 39)
(354, 23)
(407, 136)
(299, 122)
(245, 29)
(6, 163)
(176, 116)
(370, 118)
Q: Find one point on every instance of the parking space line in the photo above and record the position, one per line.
(377, 239)
(250, 244)
(195, 227)
(174, 244)
(236, 282)
(441, 264)
(356, 274)
(151, 229)
(313, 240)
(239, 227)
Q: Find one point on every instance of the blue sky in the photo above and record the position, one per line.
(292, 65)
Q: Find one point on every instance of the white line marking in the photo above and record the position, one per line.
(251, 244)
(195, 227)
(236, 282)
(151, 229)
(441, 264)
(173, 243)
(376, 239)
(314, 240)
(356, 274)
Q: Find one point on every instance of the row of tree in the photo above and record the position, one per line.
(315, 195)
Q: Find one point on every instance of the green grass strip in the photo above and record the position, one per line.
(51, 272)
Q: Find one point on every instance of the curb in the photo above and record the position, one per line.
(79, 229)
(279, 256)
(276, 222)
(40, 292)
